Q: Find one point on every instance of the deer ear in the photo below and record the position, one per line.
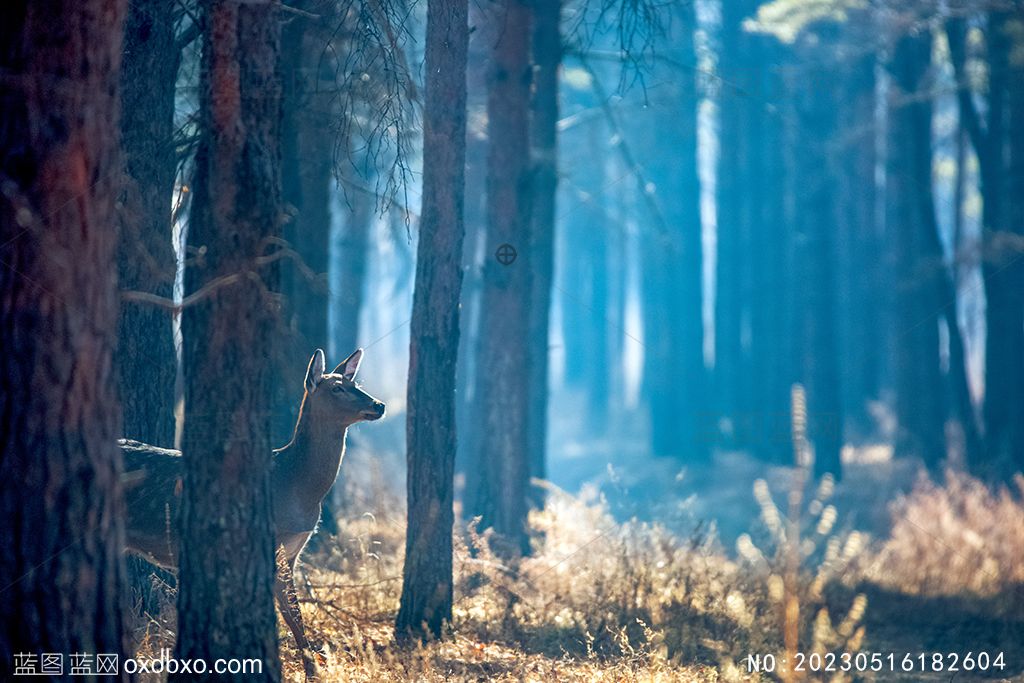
(315, 371)
(350, 366)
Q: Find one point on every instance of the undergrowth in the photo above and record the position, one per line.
(604, 600)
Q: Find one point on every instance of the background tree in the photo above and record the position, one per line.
(995, 139)
(816, 124)
(673, 377)
(547, 58)
(911, 224)
(477, 68)
(426, 604)
(230, 327)
(306, 170)
(497, 489)
(61, 570)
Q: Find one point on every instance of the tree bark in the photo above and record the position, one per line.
(426, 603)
(227, 560)
(468, 411)
(497, 492)
(547, 58)
(61, 571)
(147, 363)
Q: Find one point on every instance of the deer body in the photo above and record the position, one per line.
(302, 474)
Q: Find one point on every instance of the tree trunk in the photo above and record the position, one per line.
(497, 491)
(227, 561)
(147, 364)
(61, 571)
(354, 247)
(1003, 267)
(816, 261)
(307, 149)
(910, 221)
(468, 411)
(547, 57)
(346, 304)
(732, 236)
(858, 245)
(1008, 437)
(755, 387)
(673, 317)
(426, 603)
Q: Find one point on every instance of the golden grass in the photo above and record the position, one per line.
(955, 539)
(603, 600)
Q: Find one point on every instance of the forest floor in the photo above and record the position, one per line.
(888, 563)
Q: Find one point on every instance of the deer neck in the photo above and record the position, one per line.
(313, 457)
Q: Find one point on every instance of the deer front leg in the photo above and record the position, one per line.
(287, 602)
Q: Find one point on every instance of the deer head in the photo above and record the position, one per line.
(334, 397)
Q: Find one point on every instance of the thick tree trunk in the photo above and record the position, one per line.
(145, 260)
(547, 58)
(426, 603)
(227, 565)
(498, 491)
(61, 570)
(920, 409)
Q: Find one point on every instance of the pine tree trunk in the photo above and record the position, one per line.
(732, 235)
(674, 333)
(920, 409)
(61, 571)
(359, 218)
(147, 364)
(751, 133)
(469, 412)
(1003, 267)
(227, 561)
(307, 147)
(498, 492)
(588, 296)
(1010, 445)
(816, 261)
(858, 245)
(426, 603)
(547, 57)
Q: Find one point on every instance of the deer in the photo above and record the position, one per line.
(302, 473)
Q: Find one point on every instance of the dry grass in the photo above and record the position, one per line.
(961, 537)
(601, 600)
